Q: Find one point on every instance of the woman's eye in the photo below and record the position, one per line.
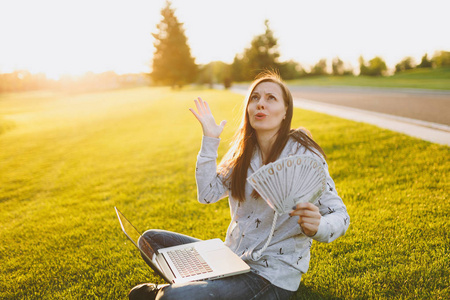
(272, 97)
(254, 97)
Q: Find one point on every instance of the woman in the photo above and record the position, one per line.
(263, 137)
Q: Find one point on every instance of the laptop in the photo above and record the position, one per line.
(210, 259)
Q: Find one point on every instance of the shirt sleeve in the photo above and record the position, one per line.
(210, 183)
(335, 219)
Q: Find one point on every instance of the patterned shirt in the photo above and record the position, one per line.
(288, 254)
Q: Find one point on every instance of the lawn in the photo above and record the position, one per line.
(436, 79)
(67, 160)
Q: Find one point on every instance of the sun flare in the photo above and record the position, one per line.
(74, 37)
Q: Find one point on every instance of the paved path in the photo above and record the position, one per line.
(394, 109)
(426, 105)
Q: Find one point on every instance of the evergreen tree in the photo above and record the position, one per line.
(172, 61)
(262, 55)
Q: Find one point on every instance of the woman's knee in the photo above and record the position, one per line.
(152, 233)
(163, 238)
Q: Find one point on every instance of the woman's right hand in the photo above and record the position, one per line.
(206, 119)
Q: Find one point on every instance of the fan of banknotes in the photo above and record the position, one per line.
(289, 181)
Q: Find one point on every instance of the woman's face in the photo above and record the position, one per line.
(266, 108)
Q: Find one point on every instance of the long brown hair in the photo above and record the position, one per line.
(237, 159)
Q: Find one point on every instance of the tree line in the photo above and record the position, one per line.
(173, 63)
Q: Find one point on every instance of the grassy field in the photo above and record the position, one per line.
(67, 160)
(438, 79)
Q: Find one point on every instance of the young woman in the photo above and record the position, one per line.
(264, 136)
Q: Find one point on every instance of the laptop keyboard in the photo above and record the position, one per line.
(188, 262)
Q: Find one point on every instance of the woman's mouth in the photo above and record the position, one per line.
(260, 116)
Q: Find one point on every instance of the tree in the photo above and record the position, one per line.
(405, 64)
(320, 68)
(425, 62)
(237, 68)
(362, 66)
(291, 70)
(337, 65)
(376, 67)
(215, 72)
(172, 60)
(261, 55)
(441, 59)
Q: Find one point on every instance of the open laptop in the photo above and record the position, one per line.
(201, 260)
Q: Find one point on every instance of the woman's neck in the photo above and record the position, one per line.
(265, 142)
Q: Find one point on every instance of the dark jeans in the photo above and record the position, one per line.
(239, 287)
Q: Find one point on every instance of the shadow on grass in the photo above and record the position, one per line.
(310, 293)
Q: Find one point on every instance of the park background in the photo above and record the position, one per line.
(81, 133)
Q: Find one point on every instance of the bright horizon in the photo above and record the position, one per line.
(75, 37)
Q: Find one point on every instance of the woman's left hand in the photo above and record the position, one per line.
(309, 217)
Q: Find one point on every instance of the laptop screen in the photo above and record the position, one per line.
(144, 247)
(128, 228)
(133, 234)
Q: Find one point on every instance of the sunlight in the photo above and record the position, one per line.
(74, 37)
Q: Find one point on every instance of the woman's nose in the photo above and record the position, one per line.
(260, 104)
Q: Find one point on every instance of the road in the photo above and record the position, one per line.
(425, 105)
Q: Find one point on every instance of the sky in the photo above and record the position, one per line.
(77, 36)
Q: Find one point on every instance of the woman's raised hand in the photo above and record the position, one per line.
(206, 119)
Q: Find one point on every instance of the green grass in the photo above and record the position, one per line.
(438, 79)
(67, 160)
